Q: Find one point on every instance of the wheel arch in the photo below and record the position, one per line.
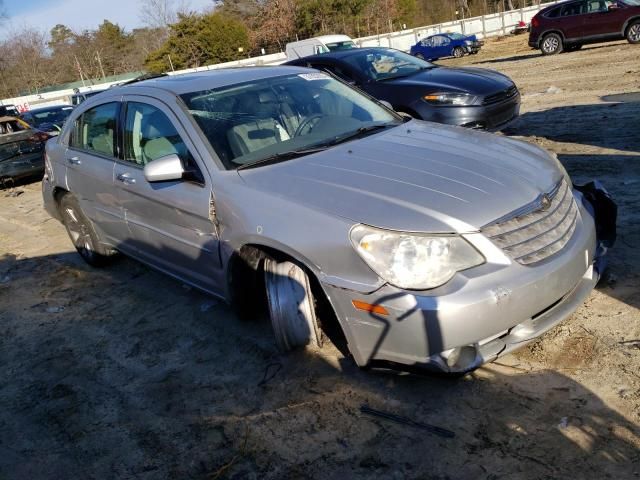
(628, 23)
(556, 31)
(245, 268)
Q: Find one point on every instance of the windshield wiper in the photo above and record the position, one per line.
(282, 156)
(359, 132)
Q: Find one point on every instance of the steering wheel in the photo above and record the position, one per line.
(307, 123)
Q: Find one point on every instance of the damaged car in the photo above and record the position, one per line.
(21, 151)
(421, 245)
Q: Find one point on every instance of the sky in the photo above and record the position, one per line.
(76, 14)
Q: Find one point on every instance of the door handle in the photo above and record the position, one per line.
(74, 160)
(126, 178)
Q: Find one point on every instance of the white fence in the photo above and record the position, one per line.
(486, 26)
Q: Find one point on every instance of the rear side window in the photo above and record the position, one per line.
(95, 130)
(571, 9)
(553, 13)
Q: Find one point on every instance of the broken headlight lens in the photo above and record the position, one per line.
(414, 261)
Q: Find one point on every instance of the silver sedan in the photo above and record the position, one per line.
(420, 244)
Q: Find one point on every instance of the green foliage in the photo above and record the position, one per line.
(197, 40)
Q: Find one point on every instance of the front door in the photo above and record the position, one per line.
(600, 21)
(169, 221)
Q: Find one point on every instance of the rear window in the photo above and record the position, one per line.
(336, 46)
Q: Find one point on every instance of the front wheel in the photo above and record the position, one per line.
(458, 52)
(633, 32)
(551, 44)
(82, 234)
(291, 305)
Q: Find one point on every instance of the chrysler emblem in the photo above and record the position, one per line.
(545, 203)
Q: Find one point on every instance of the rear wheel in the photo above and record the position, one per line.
(291, 305)
(551, 44)
(82, 234)
(458, 52)
(633, 32)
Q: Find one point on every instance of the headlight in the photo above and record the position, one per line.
(450, 98)
(414, 261)
(468, 42)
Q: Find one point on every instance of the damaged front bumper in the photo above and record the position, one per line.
(485, 312)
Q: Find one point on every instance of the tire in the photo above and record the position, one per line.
(291, 305)
(458, 52)
(82, 234)
(633, 32)
(551, 44)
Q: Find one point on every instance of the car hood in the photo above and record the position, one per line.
(420, 177)
(478, 81)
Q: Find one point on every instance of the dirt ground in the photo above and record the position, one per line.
(125, 373)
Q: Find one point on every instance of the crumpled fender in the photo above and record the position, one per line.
(604, 210)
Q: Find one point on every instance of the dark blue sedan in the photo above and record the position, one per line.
(470, 97)
(446, 45)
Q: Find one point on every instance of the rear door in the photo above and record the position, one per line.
(170, 221)
(572, 20)
(90, 159)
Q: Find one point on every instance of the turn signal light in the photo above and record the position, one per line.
(367, 307)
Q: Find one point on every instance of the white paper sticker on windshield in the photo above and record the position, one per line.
(314, 76)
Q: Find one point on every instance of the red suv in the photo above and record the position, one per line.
(568, 25)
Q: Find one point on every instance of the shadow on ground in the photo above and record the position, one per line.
(604, 125)
(123, 373)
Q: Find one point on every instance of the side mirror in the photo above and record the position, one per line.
(612, 7)
(164, 169)
(405, 116)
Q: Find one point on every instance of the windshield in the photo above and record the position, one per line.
(633, 3)
(51, 117)
(385, 64)
(250, 122)
(455, 36)
(346, 45)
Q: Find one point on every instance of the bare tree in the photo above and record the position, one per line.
(161, 13)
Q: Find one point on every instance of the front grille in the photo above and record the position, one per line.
(538, 230)
(501, 96)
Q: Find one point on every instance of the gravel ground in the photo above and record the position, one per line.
(125, 373)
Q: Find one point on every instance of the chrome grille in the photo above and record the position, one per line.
(538, 230)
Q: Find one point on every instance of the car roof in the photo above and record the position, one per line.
(50, 107)
(333, 38)
(340, 54)
(210, 79)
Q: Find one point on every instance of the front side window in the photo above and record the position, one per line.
(249, 122)
(95, 130)
(149, 135)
